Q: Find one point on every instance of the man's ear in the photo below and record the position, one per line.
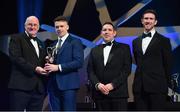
(156, 22)
(67, 27)
(115, 33)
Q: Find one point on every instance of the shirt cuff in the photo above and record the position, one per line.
(60, 69)
(96, 86)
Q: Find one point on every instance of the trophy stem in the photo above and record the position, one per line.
(50, 53)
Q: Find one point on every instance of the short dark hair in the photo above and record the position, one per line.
(110, 23)
(61, 18)
(149, 11)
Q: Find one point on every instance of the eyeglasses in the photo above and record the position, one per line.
(31, 24)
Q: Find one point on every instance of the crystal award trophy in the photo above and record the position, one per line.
(51, 54)
(174, 82)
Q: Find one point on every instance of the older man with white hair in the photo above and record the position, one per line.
(27, 80)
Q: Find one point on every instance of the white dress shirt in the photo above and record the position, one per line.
(34, 43)
(147, 40)
(106, 52)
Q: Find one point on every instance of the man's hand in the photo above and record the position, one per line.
(40, 70)
(51, 67)
(103, 88)
(109, 86)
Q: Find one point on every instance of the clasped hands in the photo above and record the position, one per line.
(48, 67)
(105, 89)
(41, 70)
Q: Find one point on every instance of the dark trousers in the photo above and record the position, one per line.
(64, 100)
(26, 100)
(111, 104)
(150, 101)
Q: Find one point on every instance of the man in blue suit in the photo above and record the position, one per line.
(64, 79)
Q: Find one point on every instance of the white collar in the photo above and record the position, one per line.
(105, 42)
(64, 37)
(153, 31)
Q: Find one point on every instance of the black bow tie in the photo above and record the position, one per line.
(107, 44)
(34, 38)
(146, 35)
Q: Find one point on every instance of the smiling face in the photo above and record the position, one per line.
(32, 26)
(149, 21)
(108, 32)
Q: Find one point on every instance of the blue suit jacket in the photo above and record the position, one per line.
(71, 57)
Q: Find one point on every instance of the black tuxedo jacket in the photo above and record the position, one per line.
(25, 60)
(116, 71)
(154, 67)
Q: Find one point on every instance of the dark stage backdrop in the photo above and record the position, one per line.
(85, 22)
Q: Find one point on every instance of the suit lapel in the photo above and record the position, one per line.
(32, 49)
(68, 39)
(152, 42)
(111, 54)
(40, 48)
(100, 53)
(139, 44)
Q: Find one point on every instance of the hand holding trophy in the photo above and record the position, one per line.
(50, 54)
(49, 66)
